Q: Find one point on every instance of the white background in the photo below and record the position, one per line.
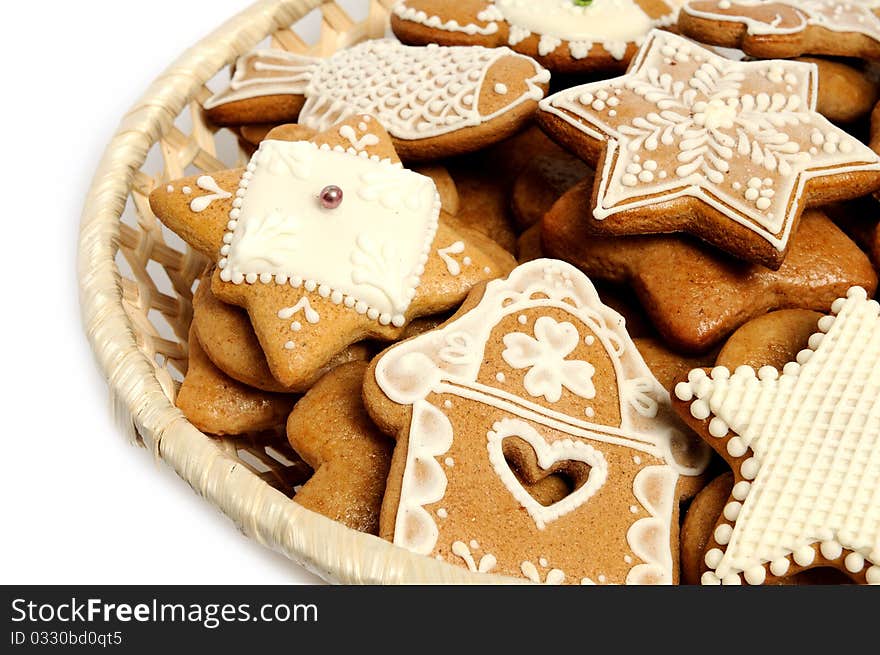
(79, 504)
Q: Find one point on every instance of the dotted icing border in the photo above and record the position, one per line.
(746, 467)
(336, 296)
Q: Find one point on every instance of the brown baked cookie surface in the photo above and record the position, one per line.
(696, 296)
(533, 378)
(217, 404)
(330, 429)
(728, 151)
(572, 37)
(785, 28)
(846, 93)
(773, 339)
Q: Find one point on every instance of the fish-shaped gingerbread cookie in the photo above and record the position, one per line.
(434, 101)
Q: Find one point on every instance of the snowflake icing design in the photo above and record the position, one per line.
(545, 357)
(744, 137)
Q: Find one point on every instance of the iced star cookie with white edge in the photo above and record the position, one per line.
(804, 447)
(567, 36)
(533, 378)
(729, 151)
(434, 101)
(786, 28)
(327, 242)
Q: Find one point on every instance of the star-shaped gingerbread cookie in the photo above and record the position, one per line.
(564, 35)
(786, 28)
(729, 151)
(327, 242)
(804, 446)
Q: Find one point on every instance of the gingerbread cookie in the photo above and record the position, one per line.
(528, 245)
(541, 183)
(533, 377)
(511, 156)
(667, 365)
(804, 446)
(696, 296)
(786, 28)
(698, 524)
(773, 339)
(256, 134)
(564, 35)
(484, 202)
(394, 255)
(332, 432)
(729, 151)
(217, 404)
(845, 94)
(696, 532)
(227, 337)
(860, 219)
(434, 101)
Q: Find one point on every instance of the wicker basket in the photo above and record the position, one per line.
(136, 281)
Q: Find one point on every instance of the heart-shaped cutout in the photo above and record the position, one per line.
(548, 454)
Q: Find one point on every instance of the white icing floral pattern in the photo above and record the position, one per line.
(545, 357)
(744, 137)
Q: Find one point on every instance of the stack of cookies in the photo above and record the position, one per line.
(559, 290)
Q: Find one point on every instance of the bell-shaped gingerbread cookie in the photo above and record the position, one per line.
(535, 378)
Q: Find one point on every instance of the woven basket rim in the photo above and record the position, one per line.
(329, 549)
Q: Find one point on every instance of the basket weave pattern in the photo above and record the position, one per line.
(136, 288)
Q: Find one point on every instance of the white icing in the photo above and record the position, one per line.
(448, 361)
(607, 22)
(648, 538)
(446, 253)
(358, 143)
(266, 73)
(305, 307)
(208, 183)
(745, 154)
(548, 454)
(381, 232)
(553, 577)
(610, 24)
(814, 435)
(485, 565)
(850, 16)
(424, 481)
(415, 92)
(545, 356)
